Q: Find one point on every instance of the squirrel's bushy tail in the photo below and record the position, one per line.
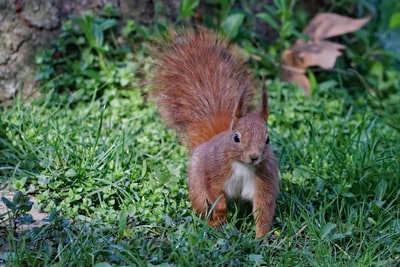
(198, 82)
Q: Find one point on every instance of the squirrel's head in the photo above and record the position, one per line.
(248, 132)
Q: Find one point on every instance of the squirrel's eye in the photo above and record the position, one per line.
(236, 137)
(267, 141)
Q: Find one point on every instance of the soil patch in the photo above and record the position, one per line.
(37, 216)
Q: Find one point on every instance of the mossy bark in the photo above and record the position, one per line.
(26, 26)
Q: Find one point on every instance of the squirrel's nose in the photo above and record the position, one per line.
(254, 157)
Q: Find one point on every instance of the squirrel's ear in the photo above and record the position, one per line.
(263, 109)
(239, 110)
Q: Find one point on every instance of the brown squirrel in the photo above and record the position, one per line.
(203, 91)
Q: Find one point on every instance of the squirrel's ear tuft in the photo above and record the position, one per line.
(240, 109)
(263, 109)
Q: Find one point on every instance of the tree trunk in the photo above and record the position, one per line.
(26, 26)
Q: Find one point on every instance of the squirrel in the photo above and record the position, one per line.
(203, 91)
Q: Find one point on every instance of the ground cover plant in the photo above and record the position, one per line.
(112, 178)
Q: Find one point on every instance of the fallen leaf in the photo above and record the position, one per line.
(298, 78)
(322, 54)
(327, 25)
(316, 51)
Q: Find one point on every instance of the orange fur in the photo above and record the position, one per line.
(198, 81)
(203, 91)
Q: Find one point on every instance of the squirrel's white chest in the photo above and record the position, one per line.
(241, 183)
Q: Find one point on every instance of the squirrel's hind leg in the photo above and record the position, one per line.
(208, 206)
(208, 201)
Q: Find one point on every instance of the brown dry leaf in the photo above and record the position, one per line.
(293, 71)
(322, 54)
(326, 25)
(317, 52)
(294, 77)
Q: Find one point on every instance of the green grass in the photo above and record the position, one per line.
(113, 167)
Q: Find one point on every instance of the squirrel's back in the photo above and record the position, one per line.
(198, 82)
